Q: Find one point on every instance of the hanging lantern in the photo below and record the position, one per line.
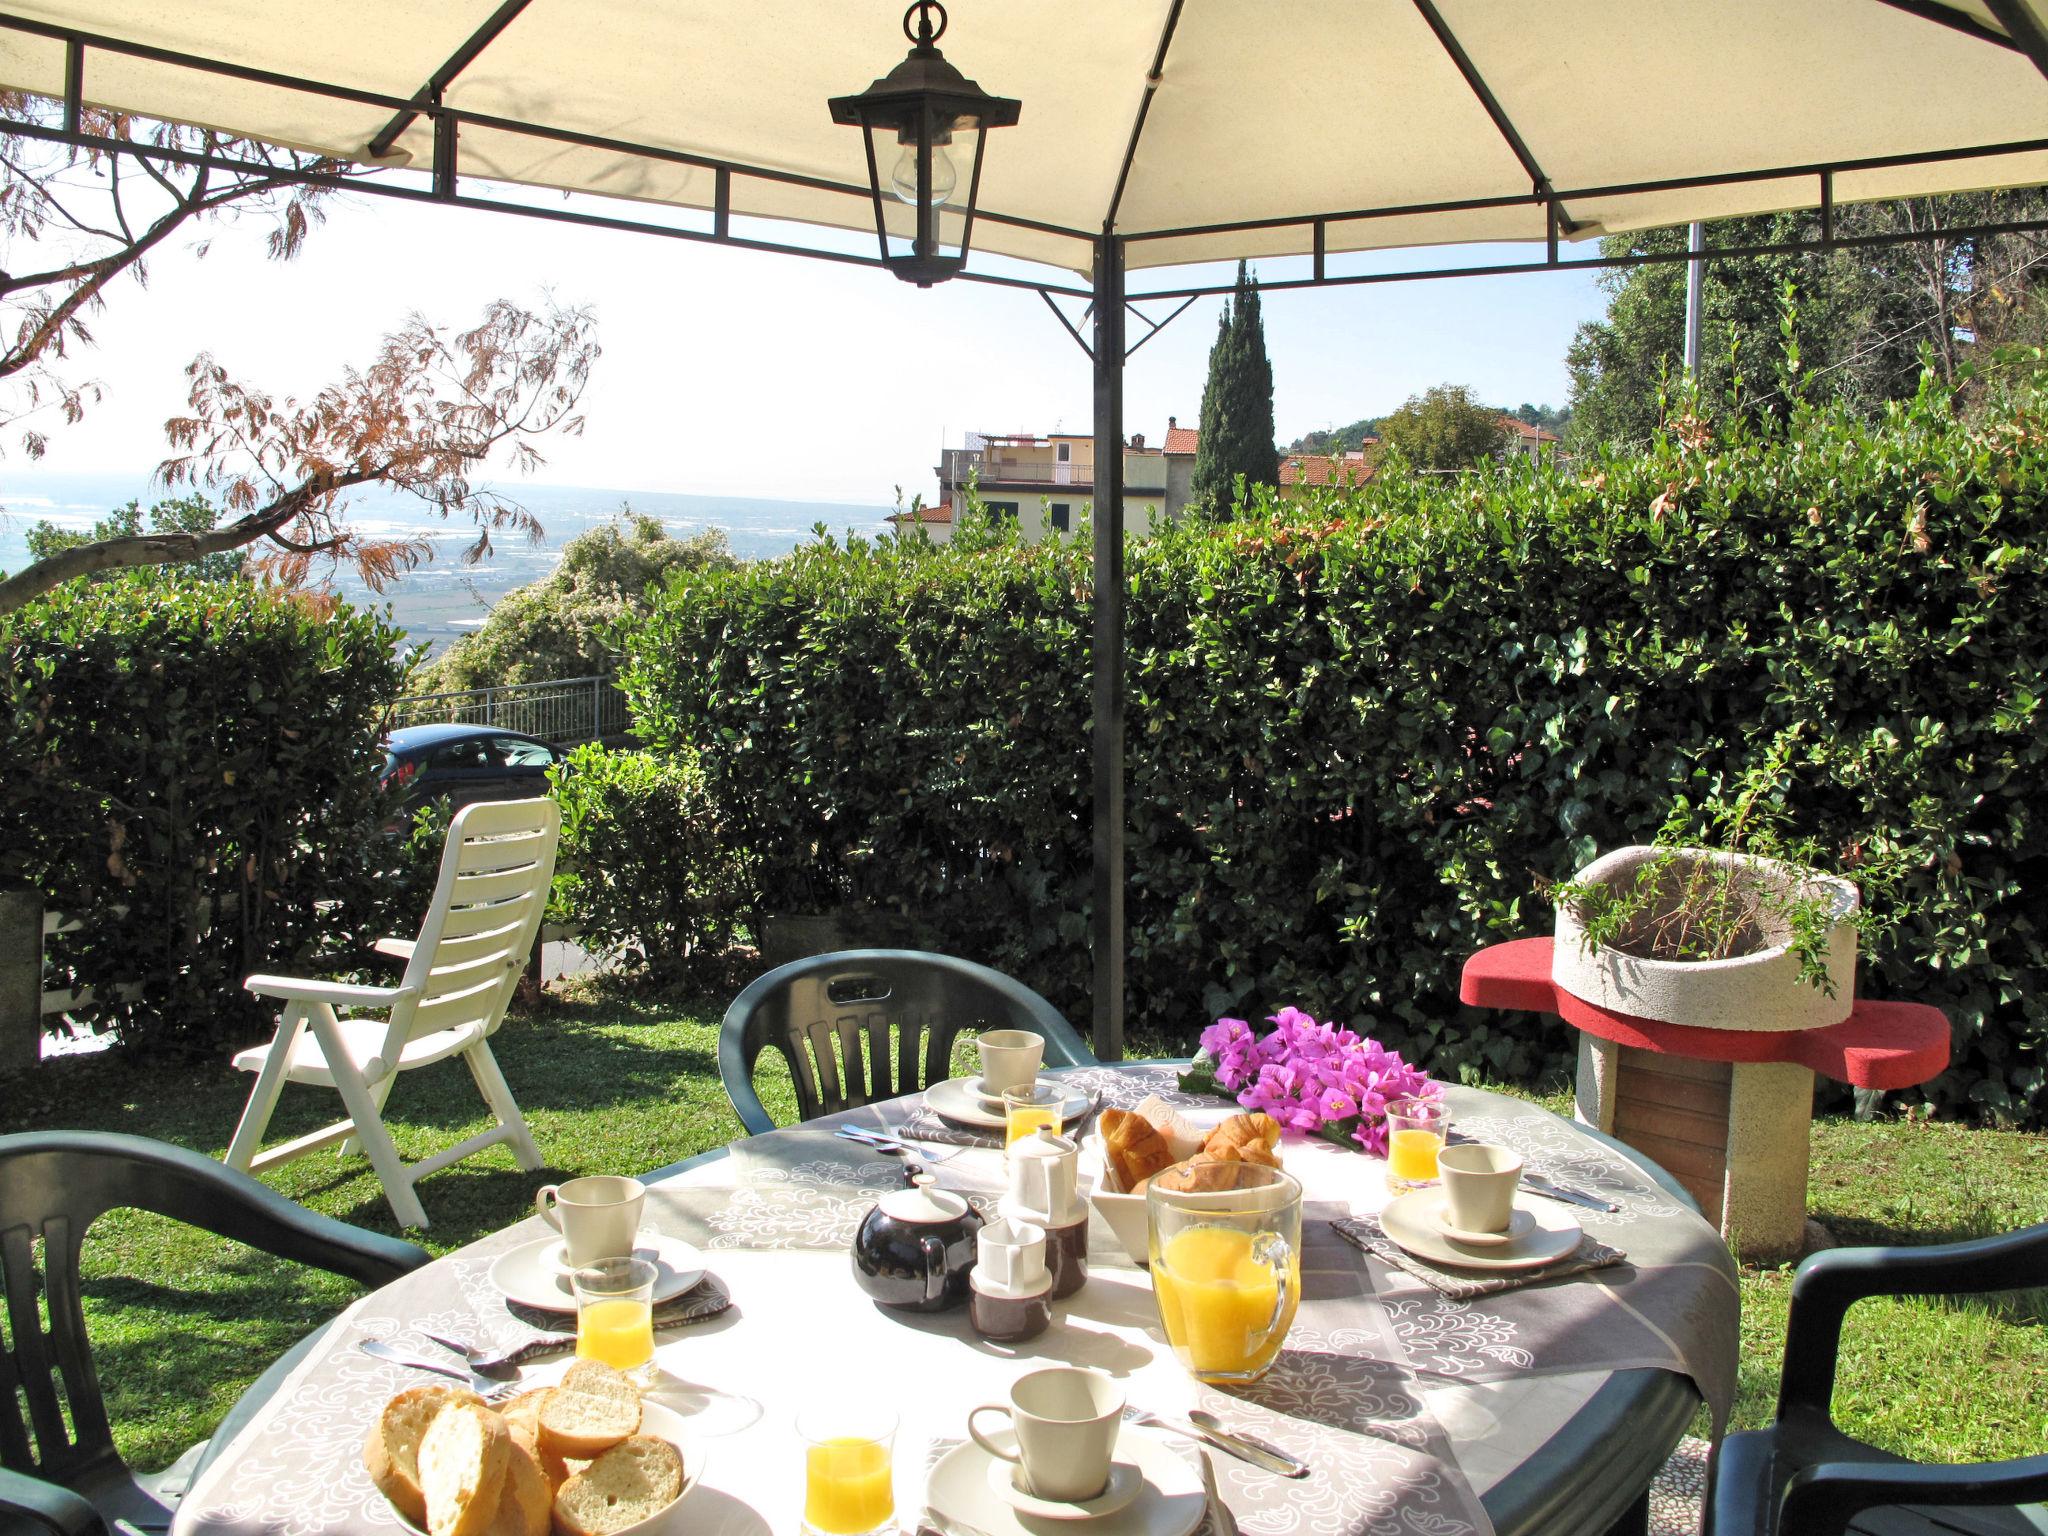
(922, 112)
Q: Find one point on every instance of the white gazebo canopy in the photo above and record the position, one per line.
(1429, 122)
(1154, 133)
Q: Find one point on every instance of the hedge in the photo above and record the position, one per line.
(1362, 728)
(190, 768)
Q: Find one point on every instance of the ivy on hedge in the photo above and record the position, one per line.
(190, 769)
(1362, 727)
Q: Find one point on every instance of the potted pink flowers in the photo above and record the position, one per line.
(1322, 1079)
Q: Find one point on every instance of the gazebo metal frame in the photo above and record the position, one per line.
(1109, 299)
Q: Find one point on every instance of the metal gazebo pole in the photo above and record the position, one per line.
(1106, 929)
(1695, 269)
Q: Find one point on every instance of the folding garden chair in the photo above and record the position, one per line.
(460, 974)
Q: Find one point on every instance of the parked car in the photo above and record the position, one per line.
(462, 764)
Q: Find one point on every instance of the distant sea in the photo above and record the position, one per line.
(444, 597)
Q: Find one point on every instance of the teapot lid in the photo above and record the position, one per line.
(1044, 1143)
(922, 1205)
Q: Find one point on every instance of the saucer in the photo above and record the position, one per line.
(1410, 1222)
(530, 1274)
(1125, 1483)
(990, 1099)
(1171, 1500)
(959, 1100)
(1520, 1223)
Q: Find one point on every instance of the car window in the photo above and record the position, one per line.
(514, 753)
(460, 755)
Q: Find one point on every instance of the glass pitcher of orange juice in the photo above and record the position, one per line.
(1226, 1266)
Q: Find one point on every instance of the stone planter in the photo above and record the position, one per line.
(1734, 1133)
(1754, 991)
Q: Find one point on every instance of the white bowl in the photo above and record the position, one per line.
(1125, 1213)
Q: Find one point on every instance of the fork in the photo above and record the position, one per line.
(483, 1386)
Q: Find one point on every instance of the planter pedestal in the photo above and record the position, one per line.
(1726, 1111)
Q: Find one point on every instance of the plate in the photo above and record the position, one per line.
(956, 1100)
(529, 1274)
(1520, 1222)
(1171, 1500)
(1409, 1222)
(666, 1425)
(1126, 1482)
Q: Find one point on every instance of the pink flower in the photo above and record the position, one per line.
(1312, 1076)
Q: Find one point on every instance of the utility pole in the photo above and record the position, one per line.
(1695, 268)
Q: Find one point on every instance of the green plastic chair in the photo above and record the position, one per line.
(816, 1013)
(59, 1471)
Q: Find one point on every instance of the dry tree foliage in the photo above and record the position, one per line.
(422, 417)
(76, 219)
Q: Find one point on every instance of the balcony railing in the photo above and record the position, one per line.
(564, 711)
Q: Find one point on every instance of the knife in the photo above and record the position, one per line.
(1536, 1184)
(1258, 1455)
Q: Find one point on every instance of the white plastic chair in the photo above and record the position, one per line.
(460, 975)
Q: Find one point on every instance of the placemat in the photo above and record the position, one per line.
(1365, 1232)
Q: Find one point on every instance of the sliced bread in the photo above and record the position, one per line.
(633, 1481)
(592, 1410)
(392, 1450)
(462, 1466)
(525, 1499)
(522, 1415)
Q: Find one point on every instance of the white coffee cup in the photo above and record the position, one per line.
(598, 1215)
(1010, 1058)
(1066, 1421)
(1010, 1258)
(1479, 1179)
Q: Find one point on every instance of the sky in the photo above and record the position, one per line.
(739, 373)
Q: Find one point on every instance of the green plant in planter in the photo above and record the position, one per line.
(1681, 906)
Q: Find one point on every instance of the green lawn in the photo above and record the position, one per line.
(181, 1322)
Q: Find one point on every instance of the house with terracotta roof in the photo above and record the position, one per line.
(1530, 442)
(1297, 470)
(1044, 483)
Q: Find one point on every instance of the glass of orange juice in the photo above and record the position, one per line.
(1416, 1129)
(615, 1314)
(1226, 1268)
(849, 1478)
(1031, 1108)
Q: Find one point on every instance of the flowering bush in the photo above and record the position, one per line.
(1320, 1078)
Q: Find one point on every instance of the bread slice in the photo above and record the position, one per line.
(462, 1466)
(392, 1450)
(522, 1416)
(592, 1410)
(525, 1498)
(633, 1481)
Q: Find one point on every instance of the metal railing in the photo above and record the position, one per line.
(563, 711)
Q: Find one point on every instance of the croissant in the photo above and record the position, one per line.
(1245, 1139)
(1199, 1175)
(1133, 1146)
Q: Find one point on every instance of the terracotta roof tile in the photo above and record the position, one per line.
(1182, 439)
(1321, 469)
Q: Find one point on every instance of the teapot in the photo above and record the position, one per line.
(915, 1248)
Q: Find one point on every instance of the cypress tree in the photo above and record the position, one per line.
(1237, 403)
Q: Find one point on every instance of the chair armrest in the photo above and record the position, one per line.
(1829, 1283)
(1821, 1500)
(344, 994)
(56, 1509)
(88, 1172)
(397, 949)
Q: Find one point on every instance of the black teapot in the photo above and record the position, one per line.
(915, 1249)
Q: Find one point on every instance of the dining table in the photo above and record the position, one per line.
(1544, 1409)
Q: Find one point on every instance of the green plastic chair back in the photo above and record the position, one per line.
(863, 1025)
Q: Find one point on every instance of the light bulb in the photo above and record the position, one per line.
(903, 180)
